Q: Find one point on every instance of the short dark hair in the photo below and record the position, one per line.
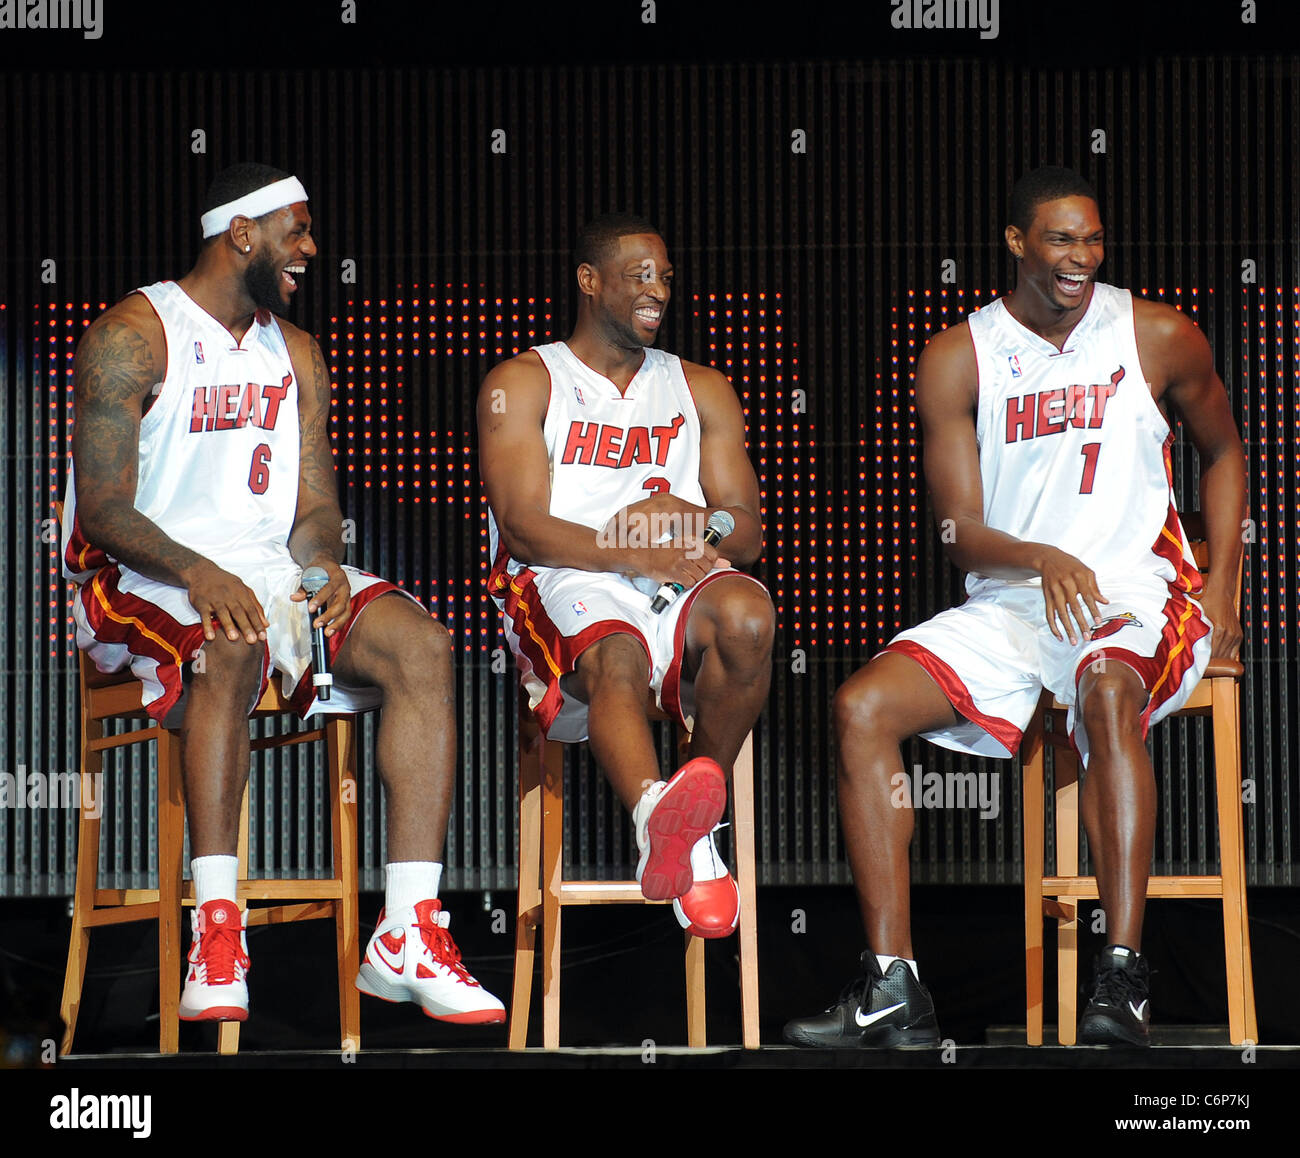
(598, 240)
(236, 180)
(1049, 183)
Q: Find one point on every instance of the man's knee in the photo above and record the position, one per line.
(865, 710)
(615, 661)
(227, 669)
(743, 621)
(1111, 701)
(396, 640)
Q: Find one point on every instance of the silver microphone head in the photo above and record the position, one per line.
(720, 523)
(313, 579)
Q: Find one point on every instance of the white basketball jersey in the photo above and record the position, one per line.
(218, 461)
(1074, 451)
(608, 450)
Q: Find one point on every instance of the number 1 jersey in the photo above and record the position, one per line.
(1074, 451)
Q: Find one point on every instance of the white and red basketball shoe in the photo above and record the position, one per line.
(670, 818)
(215, 986)
(412, 957)
(711, 908)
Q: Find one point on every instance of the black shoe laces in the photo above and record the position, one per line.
(1115, 986)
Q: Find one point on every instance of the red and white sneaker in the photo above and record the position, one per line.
(670, 818)
(412, 957)
(215, 986)
(712, 906)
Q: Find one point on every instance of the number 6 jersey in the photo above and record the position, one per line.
(218, 459)
(1074, 451)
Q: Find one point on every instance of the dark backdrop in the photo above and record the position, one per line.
(824, 215)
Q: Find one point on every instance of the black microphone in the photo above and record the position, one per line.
(313, 579)
(719, 526)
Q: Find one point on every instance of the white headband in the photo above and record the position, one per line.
(260, 201)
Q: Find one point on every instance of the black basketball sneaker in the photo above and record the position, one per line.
(875, 1011)
(1119, 1012)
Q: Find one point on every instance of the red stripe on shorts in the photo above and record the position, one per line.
(1161, 674)
(551, 653)
(304, 693)
(117, 616)
(950, 683)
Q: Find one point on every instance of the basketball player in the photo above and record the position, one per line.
(203, 486)
(1047, 446)
(603, 458)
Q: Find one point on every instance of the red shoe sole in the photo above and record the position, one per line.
(218, 1013)
(690, 806)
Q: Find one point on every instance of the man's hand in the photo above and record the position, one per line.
(684, 561)
(333, 601)
(1069, 588)
(1228, 632)
(217, 594)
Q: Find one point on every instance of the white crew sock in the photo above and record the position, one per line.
(215, 878)
(885, 962)
(408, 881)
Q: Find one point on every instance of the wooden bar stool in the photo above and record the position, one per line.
(117, 696)
(544, 893)
(1058, 896)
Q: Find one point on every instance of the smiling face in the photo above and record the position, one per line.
(630, 291)
(280, 256)
(1060, 253)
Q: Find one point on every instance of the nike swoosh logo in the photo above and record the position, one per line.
(872, 1018)
(395, 961)
(1137, 1010)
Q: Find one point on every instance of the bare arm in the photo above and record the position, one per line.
(119, 361)
(947, 380)
(115, 371)
(1168, 339)
(516, 473)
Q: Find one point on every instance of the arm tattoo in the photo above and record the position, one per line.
(317, 528)
(114, 371)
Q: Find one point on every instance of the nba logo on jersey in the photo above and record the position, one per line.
(579, 608)
(198, 352)
(577, 393)
(1014, 362)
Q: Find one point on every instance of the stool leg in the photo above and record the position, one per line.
(1227, 757)
(171, 851)
(228, 1031)
(1067, 865)
(1031, 787)
(696, 1030)
(341, 755)
(83, 894)
(742, 808)
(529, 889)
(553, 873)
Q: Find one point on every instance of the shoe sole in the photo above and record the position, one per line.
(888, 1038)
(1103, 1031)
(371, 983)
(688, 809)
(215, 1013)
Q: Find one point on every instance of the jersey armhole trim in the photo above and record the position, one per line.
(157, 394)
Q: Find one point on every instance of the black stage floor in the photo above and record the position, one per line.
(623, 1015)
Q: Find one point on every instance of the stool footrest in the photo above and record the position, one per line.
(603, 893)
(286, 914)
(120, 914)
(1085, 888)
